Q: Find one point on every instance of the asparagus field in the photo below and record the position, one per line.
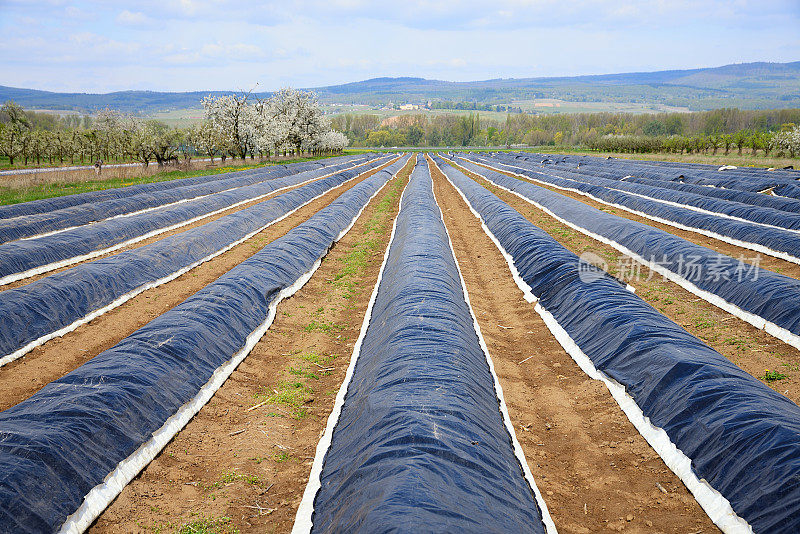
(473, 341)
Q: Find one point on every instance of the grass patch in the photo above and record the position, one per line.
(282, 456)
(288, 394)
(208, 525)
(303, 373)
(772, 376)
(322, 326)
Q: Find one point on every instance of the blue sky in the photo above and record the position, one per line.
(180, 45)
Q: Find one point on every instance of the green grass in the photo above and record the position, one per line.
(773, 376)
(291, 394)
(208, 525)
(322, 326)
(282, 456)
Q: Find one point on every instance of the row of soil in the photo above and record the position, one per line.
(243, 461)
(750, 348)
(23, 377)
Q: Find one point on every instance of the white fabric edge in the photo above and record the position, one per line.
(103, 494)
(716, 506)
(547, 520)
(757, 321)
(154, 208)
(302, 520)
(77, 259)
(8, 358)
(744, 244)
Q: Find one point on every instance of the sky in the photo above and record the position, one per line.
(189, 45)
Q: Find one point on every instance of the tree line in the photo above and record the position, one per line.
(237, 125)
(764, 131)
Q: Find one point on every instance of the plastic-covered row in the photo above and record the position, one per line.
(747, 212)
(420, 444)
(772, 240)
(33, 313)
(20, 257)
(742, 437)
(70, 437)
(56, 203)
(781, 182)
(771, 296)
(52, 221)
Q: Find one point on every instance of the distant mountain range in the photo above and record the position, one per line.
(744, 85)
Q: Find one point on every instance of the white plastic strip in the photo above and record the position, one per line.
(103, 494)
(77, 259)
(744, 244)
(717, 507)
(549, 525)
(8, 358)
(302, 521)
(757, 321)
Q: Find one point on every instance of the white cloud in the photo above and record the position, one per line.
(131, 17)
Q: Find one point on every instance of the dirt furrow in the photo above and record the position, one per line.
(595, 471)
(750, 348)
(23, 377)
(243, 462)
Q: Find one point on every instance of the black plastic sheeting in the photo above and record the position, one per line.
(741, 179)
(769, 295)
(56, 203)
(420, 444)
(776, 239)
(23, 255)
(42, 223)
(37, 309)
(756, 214)
(742, 437)
(65, 439)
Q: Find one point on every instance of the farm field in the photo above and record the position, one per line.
(489, 341)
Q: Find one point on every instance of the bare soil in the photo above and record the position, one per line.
(595, 471)
(23, 377)
(750, 348)
(243, 462)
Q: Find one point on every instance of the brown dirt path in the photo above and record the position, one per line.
(750, 348)
(595, 471)
(155, 238)
(212, 473)
(23, 377)
(769, 263)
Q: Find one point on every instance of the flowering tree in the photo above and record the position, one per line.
(288, 120)
(787, 141)
(234, 119)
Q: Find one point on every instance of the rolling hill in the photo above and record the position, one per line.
(745, 85)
